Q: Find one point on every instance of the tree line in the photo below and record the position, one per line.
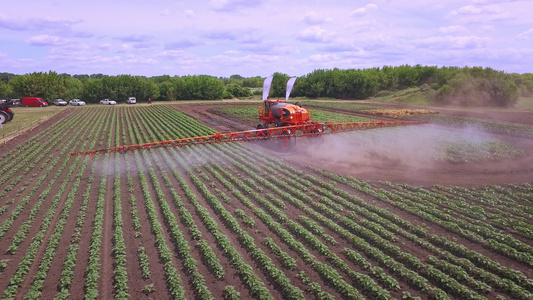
(473, 86)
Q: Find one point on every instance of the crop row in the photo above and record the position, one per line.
(235, 220)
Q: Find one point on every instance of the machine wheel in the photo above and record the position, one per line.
(4, 117)
(10, 115)
(260, 126)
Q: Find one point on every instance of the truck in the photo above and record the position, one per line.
(33, 101)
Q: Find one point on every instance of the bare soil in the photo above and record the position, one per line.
(340, 160)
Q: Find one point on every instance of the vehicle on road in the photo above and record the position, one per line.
(76, 102)
(131, 100)
(60, 102)
(108, 102)
(34, 101)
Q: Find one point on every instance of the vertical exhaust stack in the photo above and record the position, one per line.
(290, 85)
(266, 87)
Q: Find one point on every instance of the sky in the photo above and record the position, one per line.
(259, 37)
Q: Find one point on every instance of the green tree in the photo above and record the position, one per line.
(5, 90)
(198, 87)
(92, 91)
(388, 78)
(82, 77)
(359, 84)
(526, 85)
(503, 92)
(48, 86)
(74, 88)
(408, 76)
(279, 85)
(253, 82)
(166, 91)
(235, 90)
(6, 77)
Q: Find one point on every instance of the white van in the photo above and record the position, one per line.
(131, 100)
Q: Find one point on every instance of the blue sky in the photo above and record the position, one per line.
(260, 37)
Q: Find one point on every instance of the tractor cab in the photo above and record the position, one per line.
(280, 113)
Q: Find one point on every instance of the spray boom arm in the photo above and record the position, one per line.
(311, 129)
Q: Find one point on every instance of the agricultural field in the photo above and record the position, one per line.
(247, 113)
(242, 221)
(28, 118)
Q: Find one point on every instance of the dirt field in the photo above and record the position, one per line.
(54, 206)
(400, 161)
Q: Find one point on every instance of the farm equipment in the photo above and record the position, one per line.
(6, 114)
(279, 120)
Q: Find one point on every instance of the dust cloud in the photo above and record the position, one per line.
(417, 147)
(189, 158)
(401, 149)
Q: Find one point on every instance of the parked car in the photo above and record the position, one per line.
(16, 102)
(34, 101)
(108, 102)
(60, 102)
(131, 100)
(76, 102)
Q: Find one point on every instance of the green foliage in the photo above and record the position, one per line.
(200, 87)
(230, 293)
(525, 82)
(166, 91)
(235, 90)
(279, 85)
(119, 88)
(247, 113)
(5, 90)
(480, 87)
(148, 289)
(5, 77)
(469, 86)
(92, 90)
(48, 86)
(3, 264)
(455, 249)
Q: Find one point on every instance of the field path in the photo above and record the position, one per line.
(106, 267)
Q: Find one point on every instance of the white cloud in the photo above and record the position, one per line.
(45, 40)
(132, 59)
(525, 35)
(242, 35)
(480, 14)
(190, 13)
(35, 23)
(315, 34)
(183, 43)
(488, 28)
(314, 18)
(195, 37)
(269, 48)
(324, 58)
(135, 38)
(364, 10)
(233, 5)
(452, 29)
(453, 42)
